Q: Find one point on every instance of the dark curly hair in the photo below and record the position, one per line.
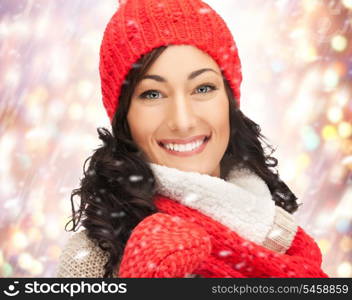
(116, 192)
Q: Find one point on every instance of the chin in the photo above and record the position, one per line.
(193, 168)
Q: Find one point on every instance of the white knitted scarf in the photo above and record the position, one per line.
(243, 202)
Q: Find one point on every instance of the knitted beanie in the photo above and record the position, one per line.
(139, 26)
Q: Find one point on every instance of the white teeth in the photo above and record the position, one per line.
(184, 147)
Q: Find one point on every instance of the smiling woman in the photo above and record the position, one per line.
(186, 125)
(182, 186)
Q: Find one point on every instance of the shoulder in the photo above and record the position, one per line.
(81, 257)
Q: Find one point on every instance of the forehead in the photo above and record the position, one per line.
(181, 60)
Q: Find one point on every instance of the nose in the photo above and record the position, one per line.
(181, 116)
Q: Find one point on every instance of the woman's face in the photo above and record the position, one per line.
(179, 112)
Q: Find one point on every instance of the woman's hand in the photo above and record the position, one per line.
(164, 246)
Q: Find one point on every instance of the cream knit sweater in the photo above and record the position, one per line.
(82, 257)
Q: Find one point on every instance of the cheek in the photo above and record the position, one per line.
(223, 130)
(220, 120)
(142, 126)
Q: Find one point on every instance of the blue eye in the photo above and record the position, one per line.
(147, 93)
(154, 93)
(212, 87)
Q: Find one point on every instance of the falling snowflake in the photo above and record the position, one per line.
(118, 163)
(131, 22)
(117, 214)
(225, 253)
(151, 265)
(261, 254)
(135, 178)
(191, 197)
(275, 233)
(233, 48)
(176, 219)
(245, 244)
(91, 172)
(81, 254)
(104, 231)
(117, 232)
(206, 238)
(240, 265)
(122, 2)
(156, 229)
(204, 10)
(136, 65)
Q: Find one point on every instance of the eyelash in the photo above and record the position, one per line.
(144, 94)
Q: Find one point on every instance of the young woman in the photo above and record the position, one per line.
(182, 186)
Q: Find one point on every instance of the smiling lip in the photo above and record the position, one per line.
(189, 153)
(183, 141)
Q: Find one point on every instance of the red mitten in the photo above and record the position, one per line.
(164, 246)
(235, 256)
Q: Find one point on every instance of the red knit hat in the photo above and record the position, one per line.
(139, 26)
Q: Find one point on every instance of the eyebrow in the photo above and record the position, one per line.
(191, 76)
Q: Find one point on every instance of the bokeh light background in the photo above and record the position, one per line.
(297, 68)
